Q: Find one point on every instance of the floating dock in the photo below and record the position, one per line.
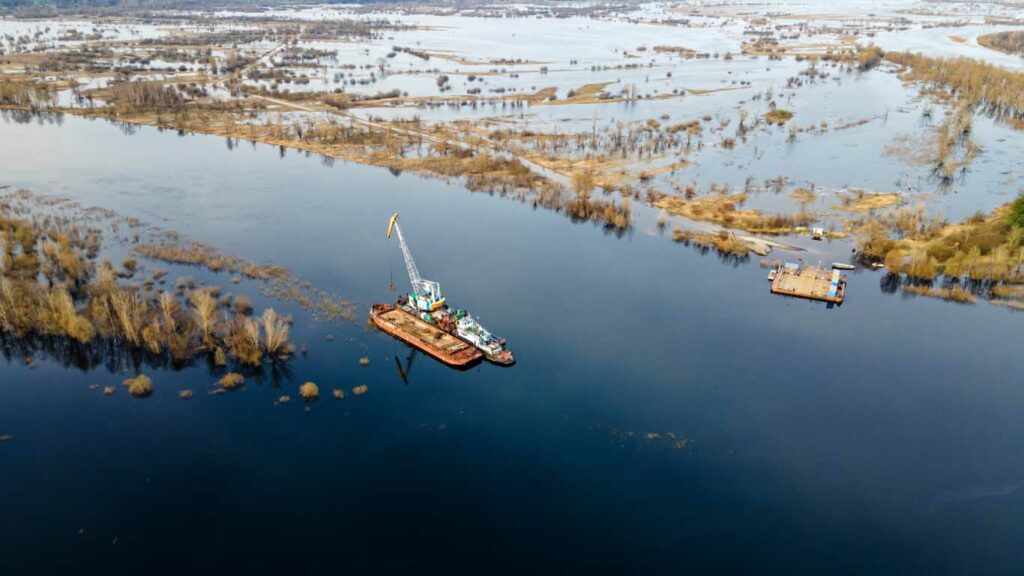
(810, 283)
(423, 336)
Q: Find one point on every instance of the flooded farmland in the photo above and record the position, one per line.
(606, 188)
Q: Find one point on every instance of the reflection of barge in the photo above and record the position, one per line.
(810, 283)
(423, 336)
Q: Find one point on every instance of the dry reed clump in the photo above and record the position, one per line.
(49, 287)
(242, 305)
(219, 357)
(204, 310)
(360, 390)
(722, 209)
(1005, 291)
(338, 394)
(200, 254)
(244, 341)
(778, 116)
(231, 381)
(309, 391)
(108, 390)
(954, 294)
(859, 200)
(140, 386)
(275, 334)
(723, 242)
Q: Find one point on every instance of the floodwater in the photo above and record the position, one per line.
(666, 414)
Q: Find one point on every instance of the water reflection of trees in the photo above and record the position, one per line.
(40, 117)
(117, 358)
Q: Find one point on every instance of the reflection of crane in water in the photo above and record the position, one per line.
(404, 373)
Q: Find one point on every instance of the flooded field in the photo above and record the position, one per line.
(193, 232)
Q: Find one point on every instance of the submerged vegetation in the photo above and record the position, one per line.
(54, 285)
(977, 85)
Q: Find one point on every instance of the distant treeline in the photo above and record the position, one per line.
(43, 6)
(1011, 42)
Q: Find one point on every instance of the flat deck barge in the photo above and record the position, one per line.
(423, 336)
(810, 283)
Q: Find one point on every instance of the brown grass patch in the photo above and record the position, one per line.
(722, 209)
(954, 294)
(859, 201)
(778, 116)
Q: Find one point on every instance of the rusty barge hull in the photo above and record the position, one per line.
(425, 337)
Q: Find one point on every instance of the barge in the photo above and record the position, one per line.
(423, 336)
(810, 283)
(427, 306)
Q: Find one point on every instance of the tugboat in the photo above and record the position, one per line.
(426, 305)
(493, 348)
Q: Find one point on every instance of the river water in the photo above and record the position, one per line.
(666, 414)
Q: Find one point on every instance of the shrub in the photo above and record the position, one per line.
(1017, 212)
(231, 380)
(309, 391)
(139, 386)
(275, 334)
(243, 305)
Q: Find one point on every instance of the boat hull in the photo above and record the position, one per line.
(423, 336)
(500, 360)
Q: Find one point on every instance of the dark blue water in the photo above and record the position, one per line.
(667, 414)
